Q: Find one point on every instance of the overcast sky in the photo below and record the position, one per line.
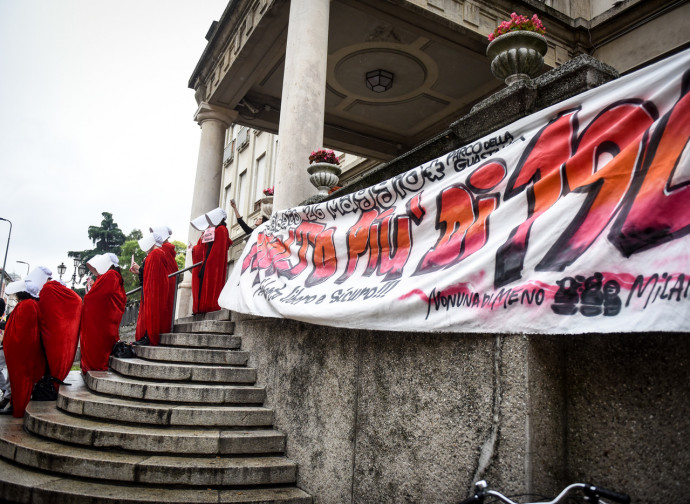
(96, 116)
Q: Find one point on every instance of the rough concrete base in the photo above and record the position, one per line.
(376, 417)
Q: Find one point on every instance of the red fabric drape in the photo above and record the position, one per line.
(158, 291)
(171, 267)
(198, 255)
(104, 306)
(23, 354)
(215, 270)
(140, 330)
(58, 321)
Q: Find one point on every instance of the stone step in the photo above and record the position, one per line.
(44, 419)
(79, 400)
(139, 368)
(202, 340)
(222, 314)
(206, 326)
(32, 451)
(24, 486)
(193, 355)
(110, 383)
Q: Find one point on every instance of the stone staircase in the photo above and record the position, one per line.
(181, 423)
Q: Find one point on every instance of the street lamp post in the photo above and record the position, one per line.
(79, 269)
(2, 277)
(28, 266)
(61, 269)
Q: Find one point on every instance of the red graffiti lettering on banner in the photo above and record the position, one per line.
(273, 255)
(603, 161)
(657, 208)
(538, 172)
(606, 154)
(462, 218)
(386, 237)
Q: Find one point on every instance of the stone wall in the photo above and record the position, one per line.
(383, 417)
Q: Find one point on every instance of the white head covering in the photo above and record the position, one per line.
(212, 218)
(147, 242)
(164, 231)
(161, 234)
(200, 223)
(32, 284)
(101, 263)
(216, 216)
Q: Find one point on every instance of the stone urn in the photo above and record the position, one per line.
(267, 206)
(324, 176)
(517, 56)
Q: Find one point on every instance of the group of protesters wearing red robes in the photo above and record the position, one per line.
(104, 306)
(212, 252)
(43, 330)
(41, 335)
(157, 287)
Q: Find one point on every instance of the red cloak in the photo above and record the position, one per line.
(104, 306)
(23, 354)
(158, 291)
(213, 271)
(198, 255)
(171, 267)
(58, 321)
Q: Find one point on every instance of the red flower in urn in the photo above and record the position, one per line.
(518, 23)
(323, 156)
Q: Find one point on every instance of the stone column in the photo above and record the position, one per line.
(303, 100)
(214, 122)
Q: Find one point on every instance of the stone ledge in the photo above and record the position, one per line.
(79, 400)
(139, 368)
(23, 486)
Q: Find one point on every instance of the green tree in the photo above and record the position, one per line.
(180, 253)
(131, 248)
(107, 237)
(136, 234)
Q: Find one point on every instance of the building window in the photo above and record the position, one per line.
(229, 153)
(260, 177)
(228, 207)
(242, 193)
(242, 138)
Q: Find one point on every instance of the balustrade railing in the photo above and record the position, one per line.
(132, 309)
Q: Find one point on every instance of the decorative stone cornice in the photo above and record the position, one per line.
(228, 40)
(206, 112)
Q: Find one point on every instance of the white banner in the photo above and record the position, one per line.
(572, 220)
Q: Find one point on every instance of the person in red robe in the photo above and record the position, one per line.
(25, 358)
(104, 306)
(158, 291)
(58, 320)
(212, 250)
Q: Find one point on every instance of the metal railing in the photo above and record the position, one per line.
(171, 275)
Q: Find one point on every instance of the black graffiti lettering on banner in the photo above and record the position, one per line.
(661, 288)
(508, 297)
(478, 151)
(353, 294)
(442, 301)
(269, 288)
(296, 297)
(382, 195)
(590, 296)
(314, 212)
(286, 219)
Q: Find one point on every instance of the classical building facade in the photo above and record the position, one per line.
(299, 68)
